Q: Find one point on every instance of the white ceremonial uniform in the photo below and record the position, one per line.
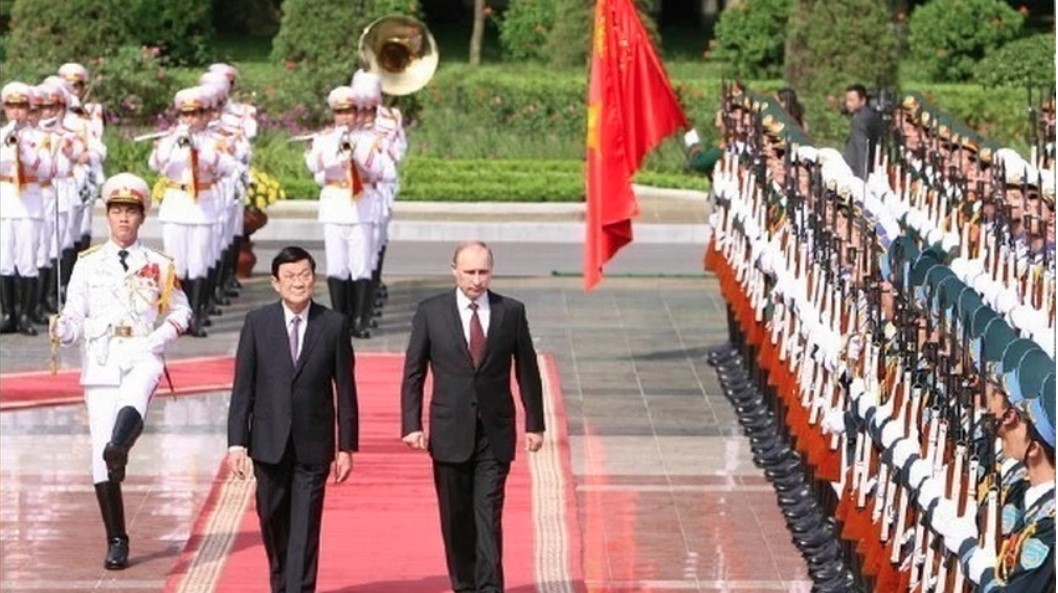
(22, 168)
(87, 177)
(60, 194)
(350, 220)
(389, 121)
(192, 206)
(126, 319)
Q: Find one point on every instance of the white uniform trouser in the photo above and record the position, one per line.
(349, 248)
(19, 239)
(51, 238)
(137, 387)
(86, 221)
(191, 246)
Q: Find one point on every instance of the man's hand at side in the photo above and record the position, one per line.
(239, 462)
(343, 466)
(415, 440)
(533, 441)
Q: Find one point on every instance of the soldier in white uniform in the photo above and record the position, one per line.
(124, 302)
(67, 149)
(389, 121)
(348, 160)
(24, 162)
(87, 118)
(244, 113)
(192, 162)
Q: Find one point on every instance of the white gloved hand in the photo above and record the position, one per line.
(892, 431)
(161, 337)
(903, 451)
(919, 471)
(957, 531)
(981, 560)
(834, 422)
(931, 490)
(63, 330)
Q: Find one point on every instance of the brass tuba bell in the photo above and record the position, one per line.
(401, 50)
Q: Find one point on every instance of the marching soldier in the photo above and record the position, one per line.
(349, 160)
(192, 161)
(125, 304)
(388, 121)
(25, 162)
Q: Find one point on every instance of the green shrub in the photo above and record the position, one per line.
(182, 28)
(134, 84)
(951, 36)
(750, 37)
(1027, 61)
(570, 39)
(317, 43)
(57, 31)
(848, 42)
(525, 27)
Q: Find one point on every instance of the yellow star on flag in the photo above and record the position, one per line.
(593, 125)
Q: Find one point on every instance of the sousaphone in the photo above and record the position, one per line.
(401, 50)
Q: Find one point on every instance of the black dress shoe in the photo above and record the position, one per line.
(117, 553)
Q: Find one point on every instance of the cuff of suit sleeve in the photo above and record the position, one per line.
(236, 449)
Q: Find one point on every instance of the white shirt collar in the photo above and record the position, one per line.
(463, 302)
(1035, 493)
(288, 315)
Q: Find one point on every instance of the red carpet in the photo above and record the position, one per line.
(189, 375)
(381, 532)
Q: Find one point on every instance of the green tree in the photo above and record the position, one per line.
(750, 37)
(569, 40)
(318, 41)
(1027, 61)
(182, 28)
(797, 64)
(57, 31)
(949, 37)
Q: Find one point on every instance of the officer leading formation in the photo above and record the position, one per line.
(891, 349)
(124, 306)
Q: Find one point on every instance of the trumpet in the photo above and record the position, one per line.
(151, 136)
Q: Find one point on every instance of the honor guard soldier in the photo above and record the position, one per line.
(24, 162)
(348, 160)
(192, 163)
(61, 195)
(125, 304)
(390, 122)
(87, 119)
(244, 113)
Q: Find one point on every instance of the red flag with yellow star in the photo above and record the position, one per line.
(631, 108)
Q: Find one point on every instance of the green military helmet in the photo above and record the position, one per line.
(988, 150)
(1034, 368)
(901, 251)
(969, 302)
(936, 278)
(925, 262)
(704, 161)
(1040, 411)
(982, 318)
(1009, 363)
(997, 337)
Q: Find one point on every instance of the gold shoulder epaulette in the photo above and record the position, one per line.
(161, 253)
(91, 249)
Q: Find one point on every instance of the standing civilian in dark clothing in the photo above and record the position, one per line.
(866, 131)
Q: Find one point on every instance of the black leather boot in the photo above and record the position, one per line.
(112, 508)
(127, 428)
(195, 295)
(365, 302)
(27, 303)
(9, 323)
(339, 290)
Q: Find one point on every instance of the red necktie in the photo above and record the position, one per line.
(477, 337)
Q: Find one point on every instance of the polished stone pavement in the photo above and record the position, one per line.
(668, 497)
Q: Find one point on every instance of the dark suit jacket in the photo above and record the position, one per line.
(273, 401)
(461, 392)
(864, 136)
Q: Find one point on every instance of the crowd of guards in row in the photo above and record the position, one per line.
(52, 160)
(891, 348)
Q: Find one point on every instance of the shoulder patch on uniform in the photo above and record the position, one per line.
(1033, 553)
(90, 250)
(161, 253)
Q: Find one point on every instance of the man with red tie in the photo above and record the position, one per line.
(468, 338)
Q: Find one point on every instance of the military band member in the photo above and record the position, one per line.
(24, 162)
(68, 149)
(192, 161)
(87, 119)
(125, 304)
(244, 113)
(389, 121)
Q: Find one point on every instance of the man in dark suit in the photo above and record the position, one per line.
(294, 366)
(865, 134)
(468, 338)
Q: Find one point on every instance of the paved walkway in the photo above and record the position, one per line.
(667, 493)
